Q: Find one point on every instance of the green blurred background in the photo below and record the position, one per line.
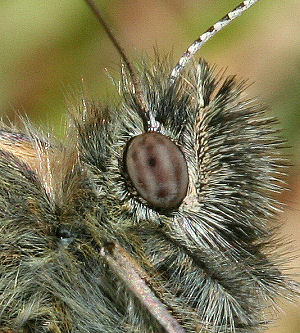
(49, 47)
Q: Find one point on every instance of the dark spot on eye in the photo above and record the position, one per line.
(152, 161)
(149, 147)
(162, 193)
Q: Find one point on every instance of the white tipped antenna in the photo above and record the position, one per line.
(208, 34)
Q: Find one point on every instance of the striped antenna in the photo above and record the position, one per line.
(208, 34)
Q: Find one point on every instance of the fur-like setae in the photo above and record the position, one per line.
(213, 262)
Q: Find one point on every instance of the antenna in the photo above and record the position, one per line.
(138, 96)
(208, 34)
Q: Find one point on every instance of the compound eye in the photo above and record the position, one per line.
(157, 169)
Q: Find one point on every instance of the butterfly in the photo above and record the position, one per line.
(156, 215)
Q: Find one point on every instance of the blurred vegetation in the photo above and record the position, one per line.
(48, 48)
